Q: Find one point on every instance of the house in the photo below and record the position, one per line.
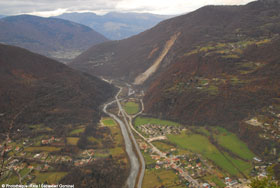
(155, 157)
(17, 148)
(30, 167)
(45, 142)
(234, 182)
(228, 180)
(206, 185)
(257, 159)
(157, 167)
(37, 155)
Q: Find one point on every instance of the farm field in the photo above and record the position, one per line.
(144, 120)
(200, 144)
(166, 178)
(43, 148)
(231, 142)
(109, 122)
(77, 131)
(72, 140)
(131, 108)
(49, 177)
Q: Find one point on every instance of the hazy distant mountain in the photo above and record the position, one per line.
(115, 25)
(2, 16)
(53, 37)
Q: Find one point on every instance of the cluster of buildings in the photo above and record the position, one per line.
(271, 129)
(85, 158)
(50, 141)
(159, 130)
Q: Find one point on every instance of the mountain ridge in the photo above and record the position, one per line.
(52, 37)
(116, 25)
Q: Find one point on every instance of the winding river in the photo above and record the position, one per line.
(129, 145)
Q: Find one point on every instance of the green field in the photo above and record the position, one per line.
(143, 120)
(43, 148)
(108, 122)
(77, 131)
(117, 151)
(200, 144)
(162, 146)
(215, 180)
(131, 108)
(49, 177)
(12, 180)
(231, 142)
(40, 127)
(158, 178)
(148, 159)
(72, 140)
(94, 141)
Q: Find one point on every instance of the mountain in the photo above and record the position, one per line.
(114, 25)
(52, 37)
(2, 16)
(37, 90)
(42, 105)
(218, 65)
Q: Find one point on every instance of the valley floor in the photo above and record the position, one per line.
(190, 156)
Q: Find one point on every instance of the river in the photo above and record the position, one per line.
(134, 162)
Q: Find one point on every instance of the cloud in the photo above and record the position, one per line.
(54, 7)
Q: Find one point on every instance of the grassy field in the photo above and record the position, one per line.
(148, 159)
(72, 140)
(162, 146)
(50, 177)
(77, 131)
(231, 142)
(94, 140)
(109, 122)
(116, 134)
(143, 120)
(12, 180)
(117, 151)
(40, 127)
(131, 108)
(40, 149)
(200, 144)
(115, 130)
(215, 180)
(157, 178)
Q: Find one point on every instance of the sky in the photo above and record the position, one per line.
(48, 8)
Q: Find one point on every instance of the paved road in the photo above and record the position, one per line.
(130, 142)
(155, 149)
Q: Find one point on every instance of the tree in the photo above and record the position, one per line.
(264, 183)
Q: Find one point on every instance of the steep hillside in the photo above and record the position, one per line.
(52, 37)
(127, 59)
(216, 66)
(114, 25)
(38, 90)
(206, 89)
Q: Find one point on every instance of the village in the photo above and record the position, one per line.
(153, 130)
(22, 164)
(269, 122)
(195, 165)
